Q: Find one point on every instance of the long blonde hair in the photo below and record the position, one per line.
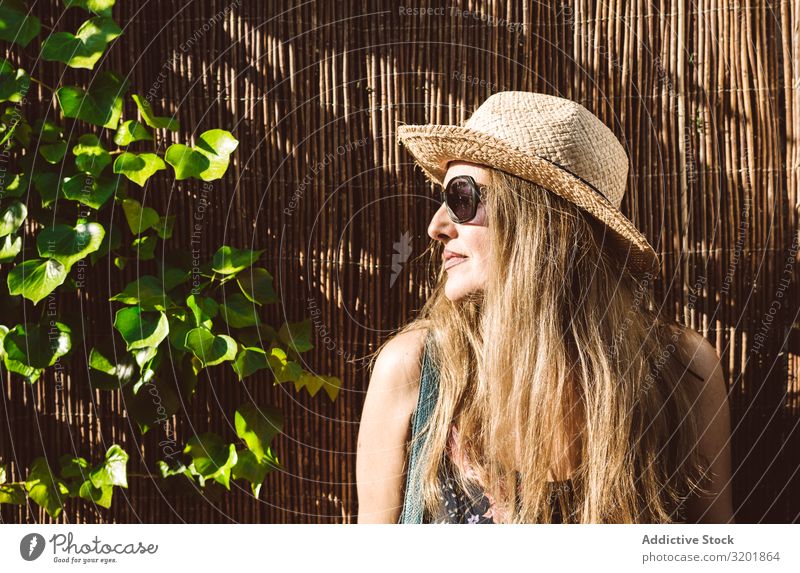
(561, 332)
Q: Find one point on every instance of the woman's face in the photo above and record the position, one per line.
(466, 245)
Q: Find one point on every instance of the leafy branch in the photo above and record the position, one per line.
(170, 324)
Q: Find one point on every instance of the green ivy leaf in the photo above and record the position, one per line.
(186, 162)
(36, 278)
(53, 152)
(91, 191)
(208, 348)
(208, 161)
(104, 375)
(145, 409)
(249, 468)
(12, 218)
(90, 155)
(100, 496)
(283, 369)
(14, 84)
(164, 227)
(166, 471)
(45, 488)
(112, 470)
(14, 185)
(29, 373)
(47, 131)
(313, 382)
(138, 168)
(10, 248)
(147, 292)
(18, 24)
(178, 329)
(3, 332)
(47, 184)
(297, 335)
(229, 260)
(173, 276)
(15, 128)
(38, 346)
(146, 373)
(145, 247)
(99, 7)
(124, 370)
(73, 467)
(257, 427)
(68, 245)
(12, 493)
(146, 110)
(141, 329)
(101, 363)
(130, 131)
(139, 218)
(100, 105)
(256, 285)
(85, 47)
(212, 458)
(111, 242)
(204, 309)
(260, 336)
(239, 312)
(145, 357)
(249, 361)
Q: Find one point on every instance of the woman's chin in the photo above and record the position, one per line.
(451, 297)
(456, 292)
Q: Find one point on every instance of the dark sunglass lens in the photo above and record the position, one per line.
(460, 199)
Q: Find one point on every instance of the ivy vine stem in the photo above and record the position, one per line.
(149, 476)
(41, 83)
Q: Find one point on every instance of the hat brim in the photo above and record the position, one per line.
(434, 146)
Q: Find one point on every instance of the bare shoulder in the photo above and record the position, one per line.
(398, 366)
(713, 416)
(701, 358)
(385, 427)
(698, 354)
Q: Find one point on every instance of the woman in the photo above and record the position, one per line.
(552, 387)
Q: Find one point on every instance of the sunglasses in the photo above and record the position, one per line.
(462, 196)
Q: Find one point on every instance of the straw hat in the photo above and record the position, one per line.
(554, 142)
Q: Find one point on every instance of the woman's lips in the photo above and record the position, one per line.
(453, 261)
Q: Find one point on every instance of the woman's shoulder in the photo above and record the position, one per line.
(385, 426)
(398, 365)
(713, 417)
(399, 361)
(697, 353)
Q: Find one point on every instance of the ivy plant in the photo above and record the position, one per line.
(72, 197)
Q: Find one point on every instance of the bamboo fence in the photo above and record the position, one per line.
(704, 96)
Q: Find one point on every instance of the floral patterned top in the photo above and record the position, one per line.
(475, 506)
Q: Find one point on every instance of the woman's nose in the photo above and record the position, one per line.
(441, 226)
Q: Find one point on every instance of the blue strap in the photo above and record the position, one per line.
(413, 508)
